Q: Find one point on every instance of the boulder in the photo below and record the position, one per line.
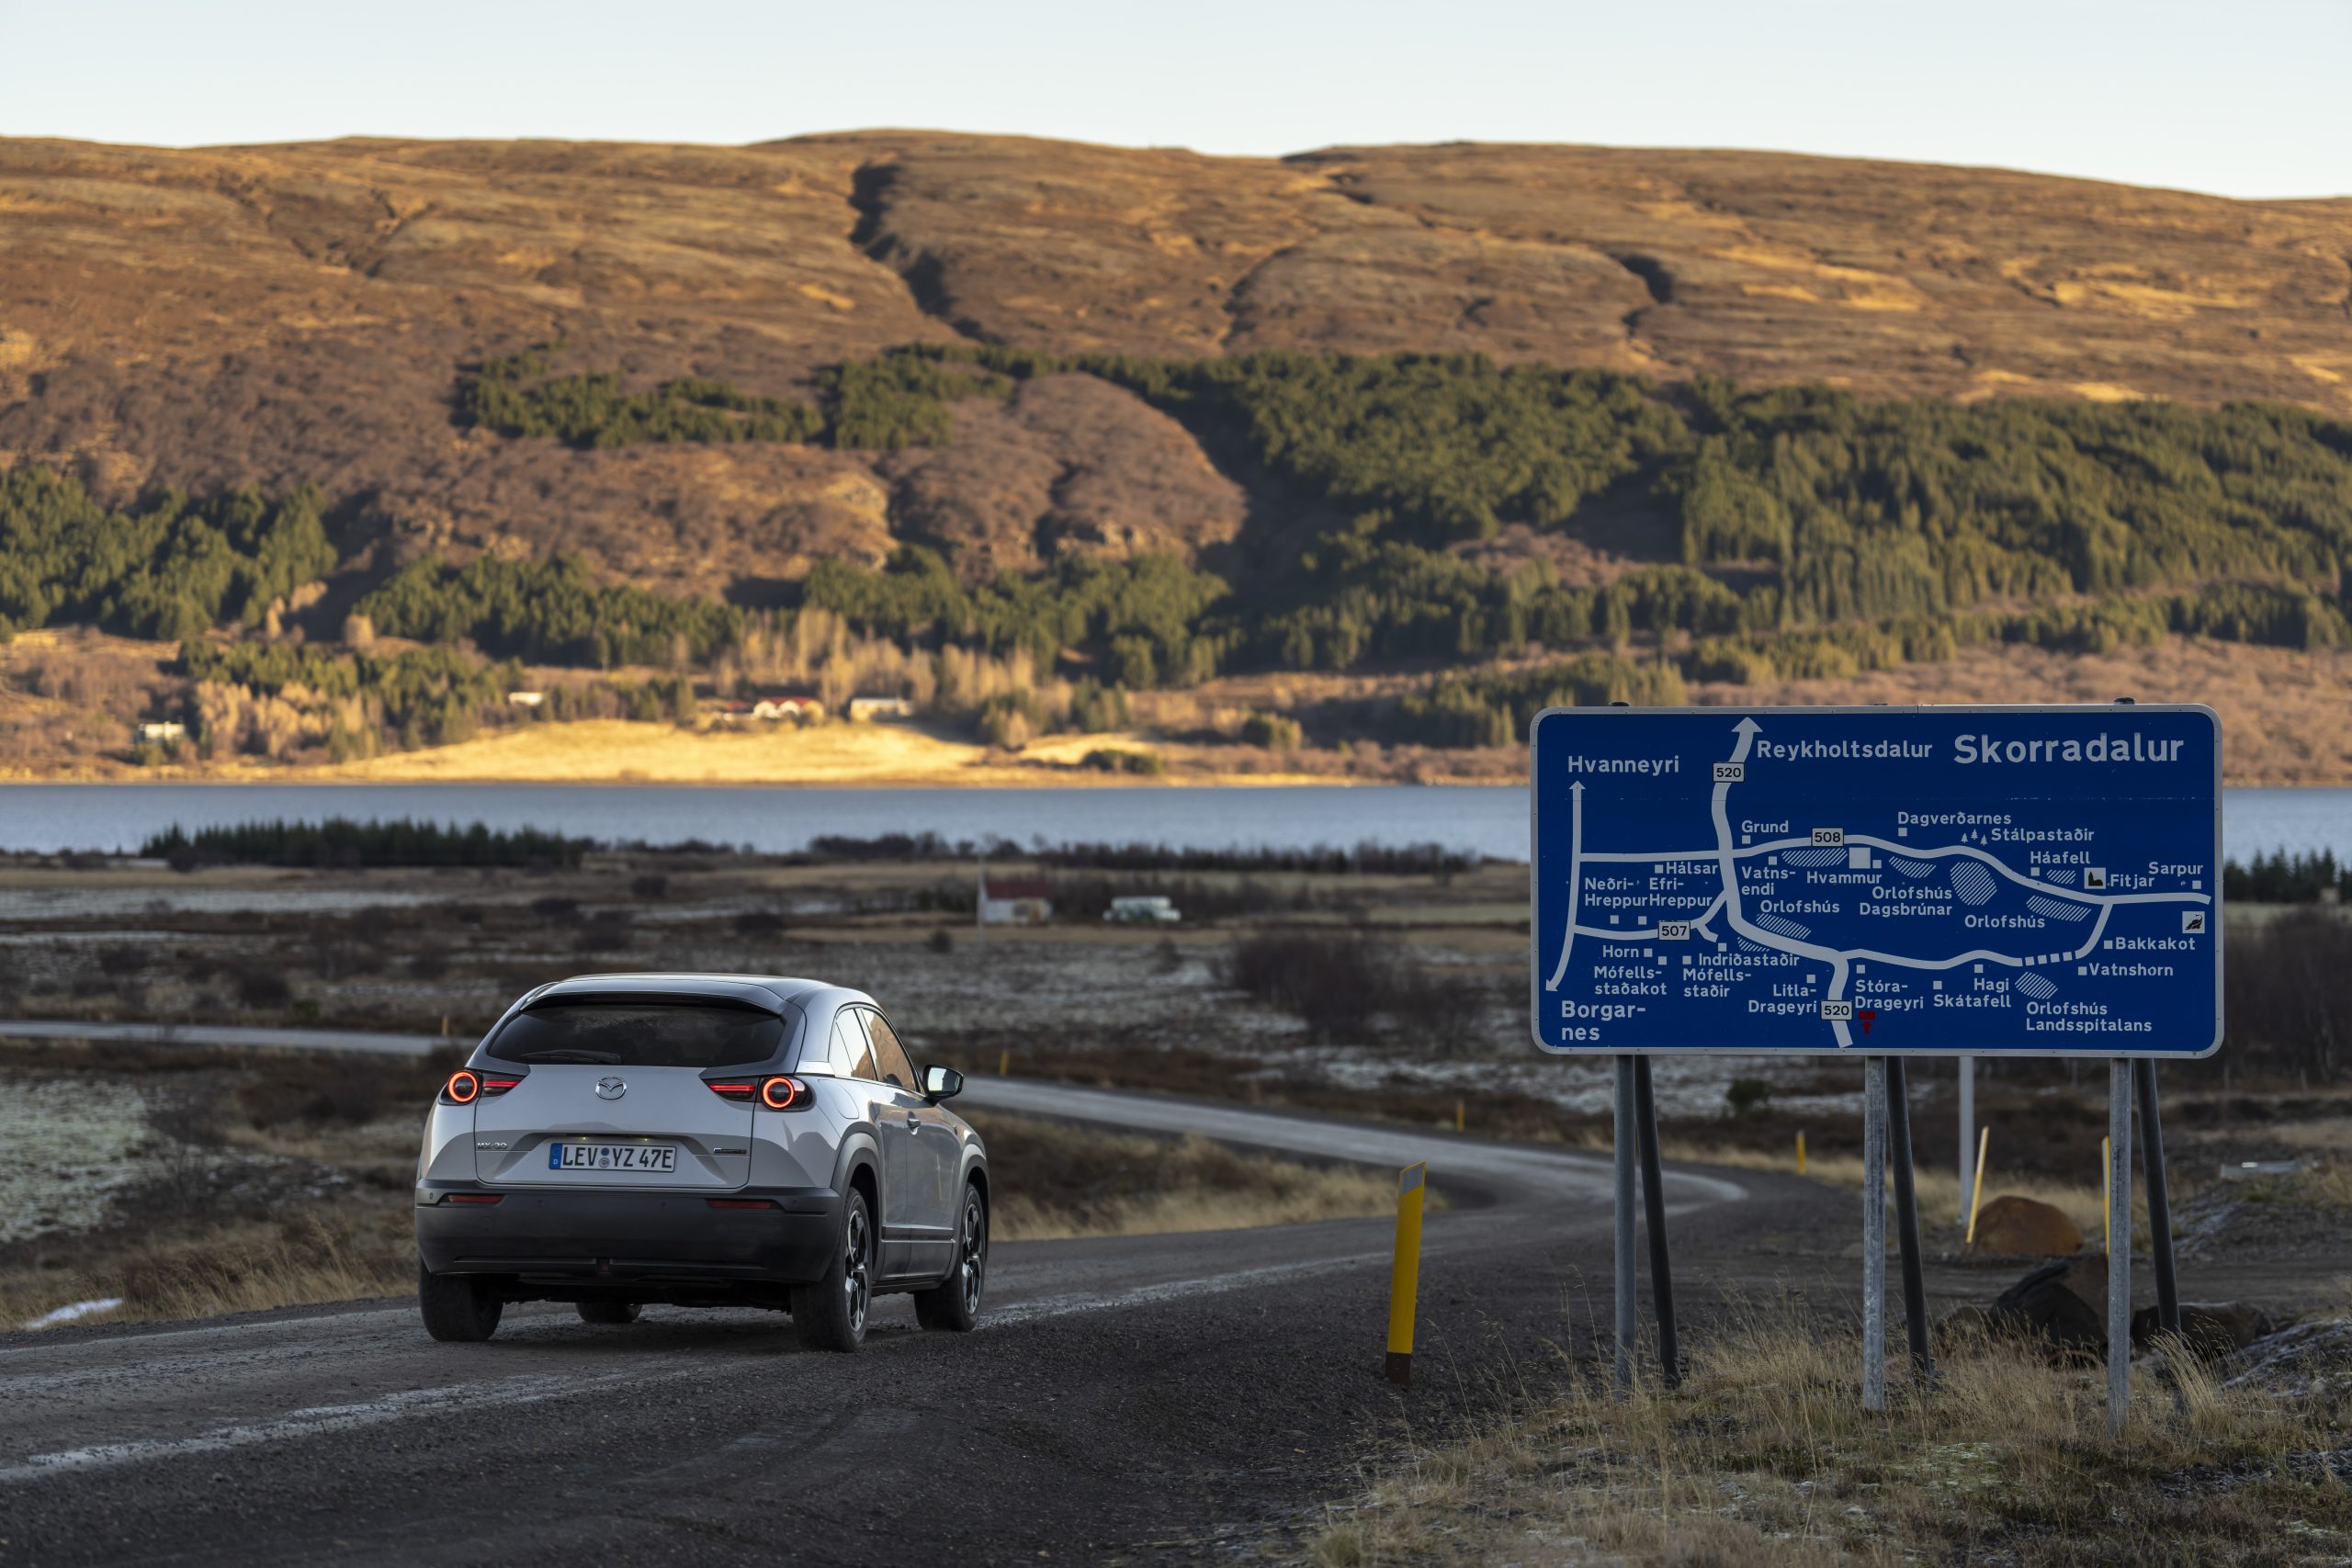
(2062, 1303)
(2214, 1329)
(2022, 1228)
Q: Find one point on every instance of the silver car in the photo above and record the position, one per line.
(705, 1140)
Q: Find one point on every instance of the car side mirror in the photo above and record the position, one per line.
(941, 1083)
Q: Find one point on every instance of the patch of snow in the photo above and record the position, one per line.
(77, 1310)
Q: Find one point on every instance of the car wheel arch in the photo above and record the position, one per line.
(860, 1155)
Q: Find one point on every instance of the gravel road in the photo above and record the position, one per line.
(1145, 1398)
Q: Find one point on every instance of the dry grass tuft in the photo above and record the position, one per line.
(1940, 1199)
(1766, 1457)
(324, 1252)
(1057, 1181)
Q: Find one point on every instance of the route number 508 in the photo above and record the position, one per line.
(1731, 772)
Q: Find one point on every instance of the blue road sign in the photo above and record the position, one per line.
(1994, 881)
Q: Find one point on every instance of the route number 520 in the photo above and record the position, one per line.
(1731, 772)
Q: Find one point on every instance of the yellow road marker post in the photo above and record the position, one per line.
(1800, 1153)
(1976, 1189)
(1460, 1116)
(1003, 1062)
(1405, 1277)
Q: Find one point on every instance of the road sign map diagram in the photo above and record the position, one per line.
(1999, 881)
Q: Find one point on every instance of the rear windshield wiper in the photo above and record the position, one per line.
(601, 1058)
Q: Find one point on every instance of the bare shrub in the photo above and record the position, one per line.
(1332, 984)
(2287, 993)
(340, 950)
(122, 960)
(649, 885)
(338, 1092)
(608, 933)
(759, 924)
(1339, 984)
(260, 987)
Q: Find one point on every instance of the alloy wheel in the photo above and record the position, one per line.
(855, 1280)
(976, 1250)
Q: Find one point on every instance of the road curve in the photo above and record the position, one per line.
(242, 1037)
(1151, 1397)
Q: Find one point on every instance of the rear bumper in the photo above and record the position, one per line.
(614, 1240)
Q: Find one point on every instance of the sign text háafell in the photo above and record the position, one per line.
(2027, 881)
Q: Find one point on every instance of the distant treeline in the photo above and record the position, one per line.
(339, 842)
(516, 395)
(169, 568)
(1364, 859)
(2281, 878)
(1149, 617)
(898, 401)
(550, 612)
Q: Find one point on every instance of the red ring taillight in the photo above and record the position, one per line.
(783, 1094)
(464, 1087)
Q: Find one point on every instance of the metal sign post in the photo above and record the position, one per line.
(2020, 881)
(1967, 1132)
(2152, 1163)
(1669, 1348)
(2119, 1251)
(1907, 1220)
(1627, 1316)
(1874, 1233)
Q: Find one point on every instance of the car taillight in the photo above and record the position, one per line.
(783, 1094)
(475, 1197)
(741, 1203)
(466, 1086)
(734, 1089)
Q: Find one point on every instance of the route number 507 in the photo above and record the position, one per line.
(1731, 772)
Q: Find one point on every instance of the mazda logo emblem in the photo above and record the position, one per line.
(610, 1088)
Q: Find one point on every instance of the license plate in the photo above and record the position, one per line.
(612, 1156)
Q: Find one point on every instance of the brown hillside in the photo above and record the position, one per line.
(285, 313)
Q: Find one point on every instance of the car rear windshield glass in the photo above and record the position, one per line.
(639, 1034)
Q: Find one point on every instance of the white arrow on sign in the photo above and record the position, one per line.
(1576, 880)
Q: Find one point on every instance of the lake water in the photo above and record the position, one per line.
(1488, 820)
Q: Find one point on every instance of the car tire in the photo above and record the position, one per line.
(831, 1315)
(953, 1305)
(457, 1308)
(609, 1311)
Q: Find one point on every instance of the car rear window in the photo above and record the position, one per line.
(639, 1034)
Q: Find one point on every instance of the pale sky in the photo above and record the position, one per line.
(2244, 97)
